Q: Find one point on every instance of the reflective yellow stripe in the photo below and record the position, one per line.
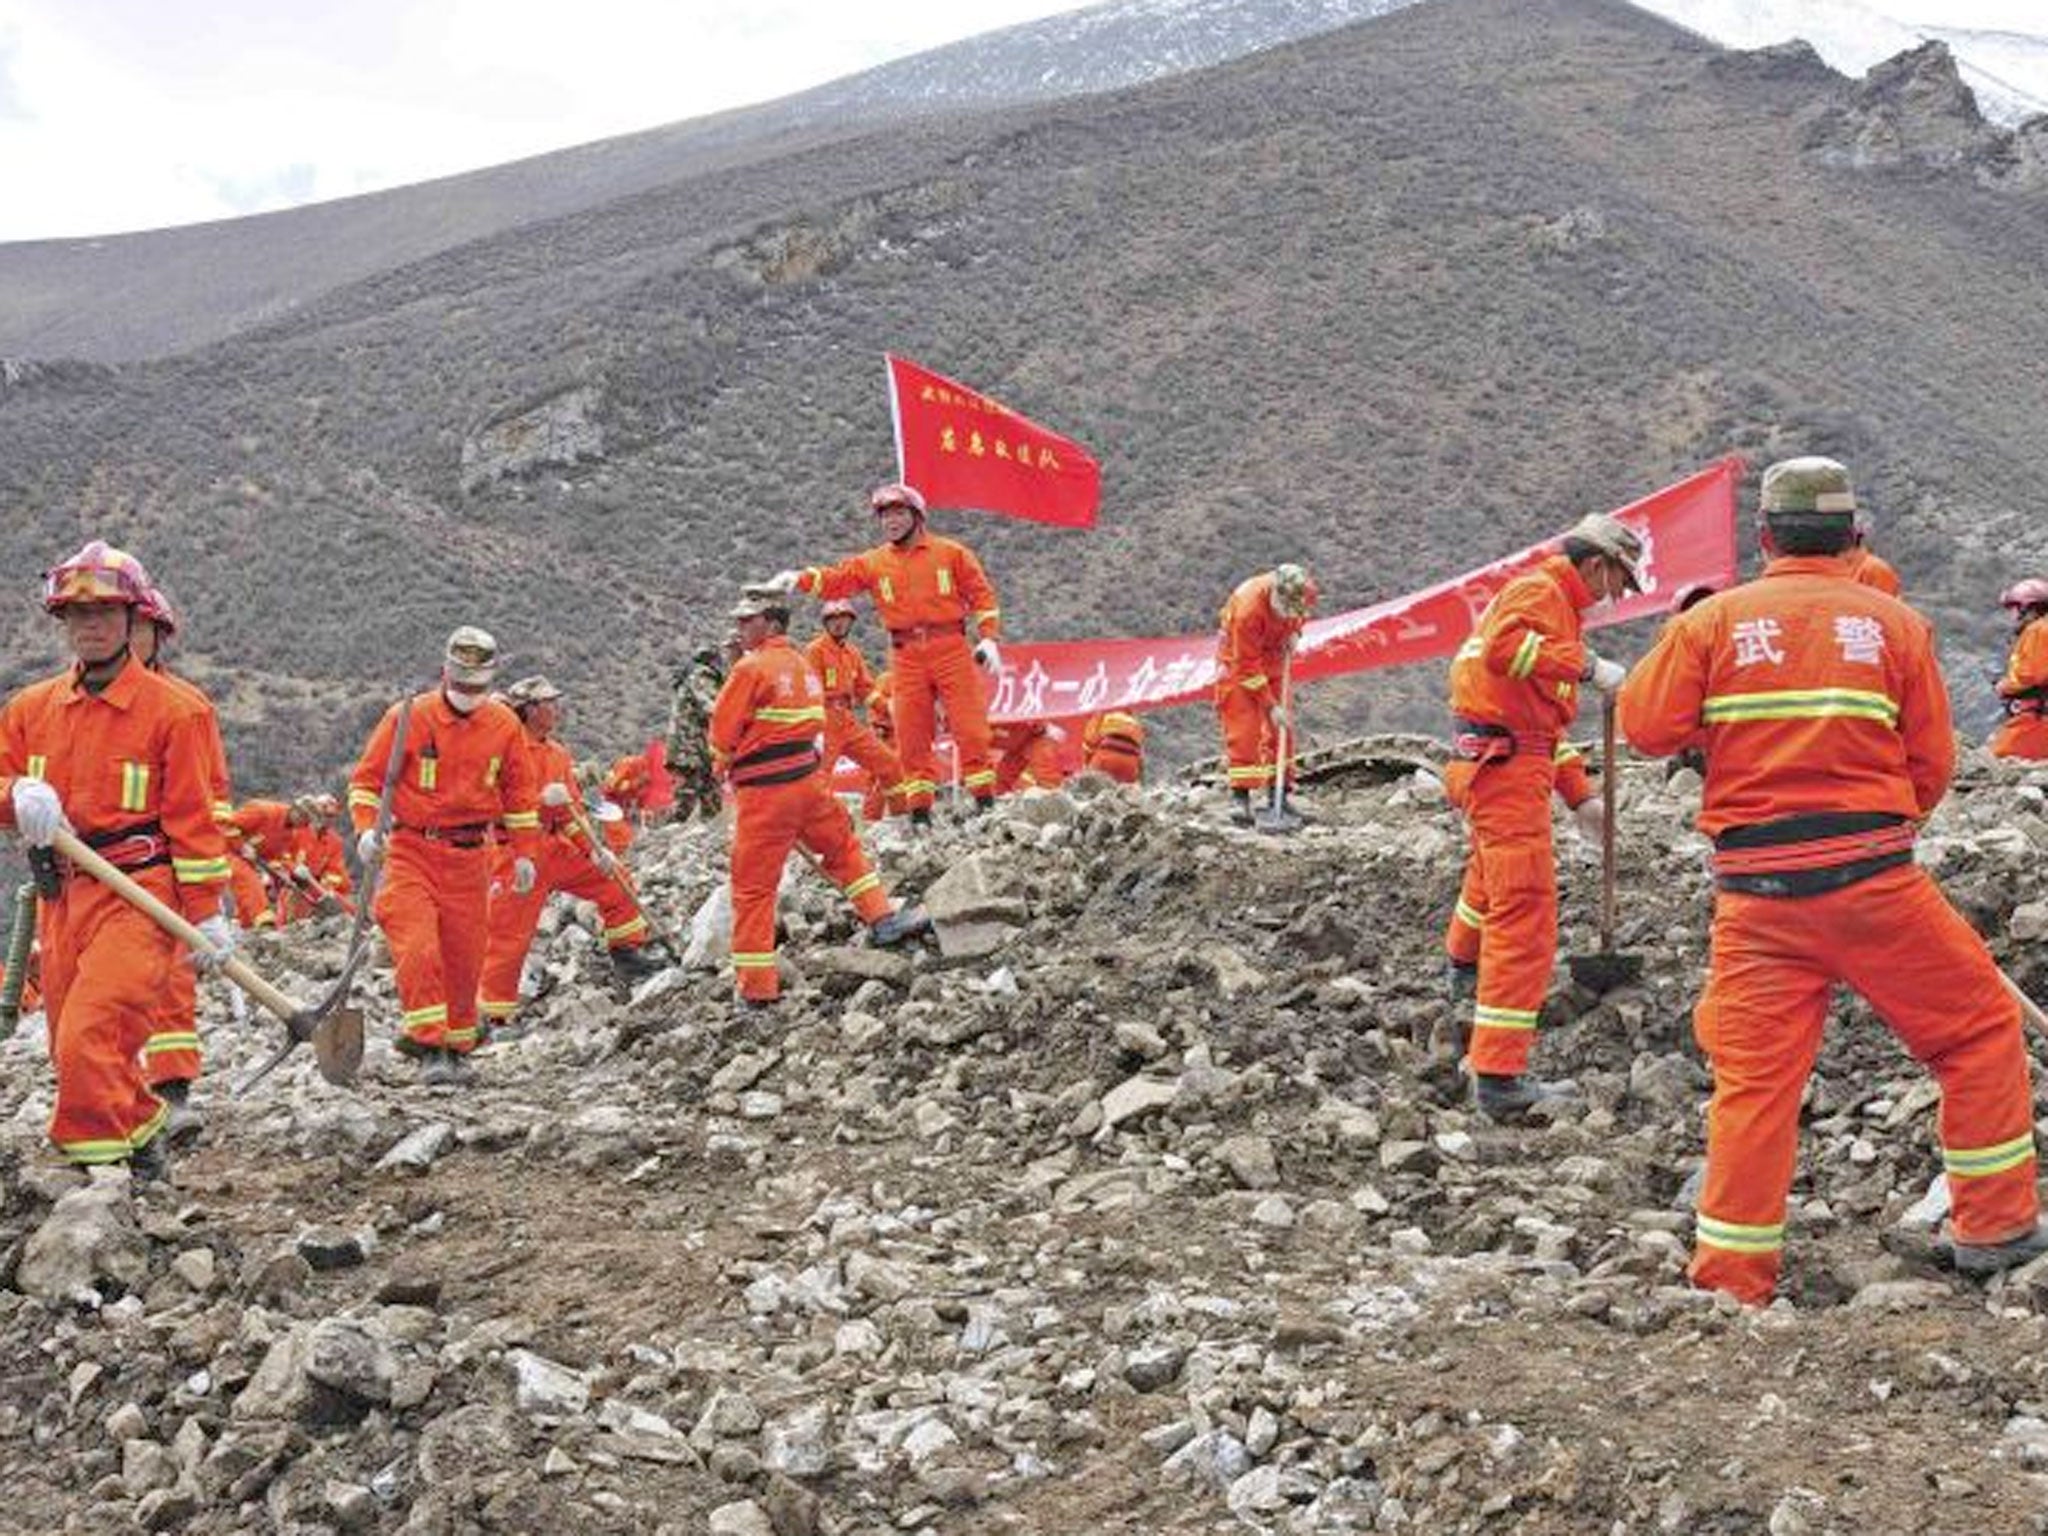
(199, 871)
(1470, 916)
(1253, 683)
(491, 1008)
(1255, 775)
(433, 1013)
(1525, 655)
(625, 930)
(430, 772)
(887, 588)
(1471, 650)
(980, 777)
(813, 714)
(742, 962)
(1484, 1016)
(112, 1149)
(366, 797)
(945, 582)
(38, 765)
(463, 1034)
(1566, 753)
(1800, 704)
(1733, 1237)
(866, 882)
(1977, 1162)
(155, 1045)
(916, 787)
(491, 771)
(223, 810)
(519, 821)
(988, 616)
(134, 787)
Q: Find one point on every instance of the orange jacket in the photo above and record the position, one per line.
(217, 752)
(141, 751)
(769, 715)
(931, 581)
(2026, 670)
(319, 850)
(1873, 571)
(266, 825)
(882, 704)
(627, 783)
(1811, 691)
(1252, 639)
(458, 771)
(1520, 666)
(842, 668)
(551, 762)
(1115, 728)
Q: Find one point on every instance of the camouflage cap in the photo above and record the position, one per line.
(1810, 484)
(532, 690)
(1615, 540)
(471, 656)
(1294, 591)
(760, 603)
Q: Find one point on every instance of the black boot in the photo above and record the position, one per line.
(1461, 981)
(634, 963)
(1983, 1259)
(150, 1163)
(921, 819)
(1510, 1098)
(905, 923)
(184, 1123)
(1241, 807)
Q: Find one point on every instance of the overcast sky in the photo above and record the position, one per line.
(134, 114)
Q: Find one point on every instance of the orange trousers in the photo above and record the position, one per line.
(884, 799)
(2021, 736)
(171, 1053)
(433, 905)
(106, 968)
(561, 866)
(1896, 940)
(845, 736)
(252, 896)
(770, 819)
(939, 669)
(1251, 744)
(1036, 758)
(1509, 900)
(1121, 764)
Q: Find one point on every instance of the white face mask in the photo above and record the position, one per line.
(462, 702)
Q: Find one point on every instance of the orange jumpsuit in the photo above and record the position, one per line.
(172, 1053)
(1828, 738)
(132, 766)
(843, 670)
(1252, 643)
(1468, 918)
(1514, 689)
(264, 827)
(2024, 690)
(626, 784)
(318, 851)
(1872, 570)
(931, 594)
(460, 776)
(764, 740)
(1114, 743)
(883, 800)
(564, 863)
(1029, 757)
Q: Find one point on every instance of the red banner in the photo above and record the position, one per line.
(966, 451)
(1688, 533)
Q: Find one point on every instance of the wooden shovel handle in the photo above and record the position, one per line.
(1609, 795)
(136, 895)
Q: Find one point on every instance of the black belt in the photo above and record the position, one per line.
(1482, 741)
(472, 834)
(129, 849)
(2027, 704)
(799, 758)
(1811, 854)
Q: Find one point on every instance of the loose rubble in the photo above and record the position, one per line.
(1143, 1198)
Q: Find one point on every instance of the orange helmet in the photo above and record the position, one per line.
(2030, 593)
(98, 573)
(156, 607)
(896, 495)
(838, 608)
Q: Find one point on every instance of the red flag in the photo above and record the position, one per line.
(1688, 533)
(966, 451)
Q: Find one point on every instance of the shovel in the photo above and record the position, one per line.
(1603, 972)
(336, 1032)
(613, 868)
(19, 941)
(1275, 819)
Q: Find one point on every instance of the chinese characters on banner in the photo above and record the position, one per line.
(1688, 533)
(963, 450)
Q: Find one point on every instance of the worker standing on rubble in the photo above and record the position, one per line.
(687, 752)
(567, 861)
(122, 756)
(1828, 739)
(1256, 635)
(2023, 690)
(942, 616)
(315, 859)
(1514, 689)
(843, 669)
(464, 771)
(1113, 742)
(764, 737)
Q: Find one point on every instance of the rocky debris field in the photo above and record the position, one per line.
(1144, 1199)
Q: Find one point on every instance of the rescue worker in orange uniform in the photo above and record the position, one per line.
(1113, 742)
(567, 861)
(261, 832)
(1514, 689)
(1256, 634)
(2023, 690)
(932, 596)
(627, 783)
(120, 755)
(1028, 755)
(465, 770)
(883, 800)
(1828, 740)
(764, 735)
(315, 861)
(172, 1059)
(843, 669)
(1866, 565)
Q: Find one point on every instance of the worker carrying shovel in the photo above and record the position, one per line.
(1514, 689)
(1255, 638)
(119, 755)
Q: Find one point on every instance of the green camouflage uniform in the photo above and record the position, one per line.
(697, 683)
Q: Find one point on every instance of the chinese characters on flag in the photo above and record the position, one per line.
(966, 451)
(1688, 533)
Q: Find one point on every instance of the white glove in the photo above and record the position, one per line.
(38, 813)
(1607, 676)
(522, 877)
(554, 794)
(783, 581)
(303, 874)
(1591, 815)
(988, 655)
(219, 934)
(369, 846)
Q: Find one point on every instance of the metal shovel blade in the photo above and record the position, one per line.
(1603, 972)
(338, 1046)
(1275, 821)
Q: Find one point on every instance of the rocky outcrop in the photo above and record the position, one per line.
(1915, 111)
(563, 429)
